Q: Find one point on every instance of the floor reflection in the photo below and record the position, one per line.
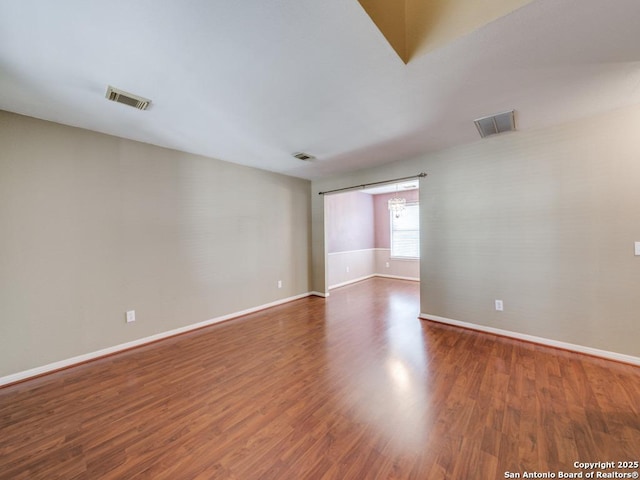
(378, 361)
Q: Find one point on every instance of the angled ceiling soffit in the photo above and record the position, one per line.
(414, 27)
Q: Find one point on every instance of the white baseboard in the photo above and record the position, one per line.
(34, 372)
(618, 357)
(366, 277)
(344, 252)
(319, 294)
(359, 279)
(397, 277)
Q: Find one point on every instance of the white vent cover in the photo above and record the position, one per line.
(127, 98)
(494, 124)
(303, 156)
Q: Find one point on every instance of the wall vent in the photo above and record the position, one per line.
(127, 98)
(303, 156)
(494, 124)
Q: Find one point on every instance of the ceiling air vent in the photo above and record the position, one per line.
(494, 124)
(127, 98)
(303, 156)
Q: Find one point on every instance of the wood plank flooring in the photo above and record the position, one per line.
(351, 387)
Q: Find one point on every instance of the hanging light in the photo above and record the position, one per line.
(397, 204)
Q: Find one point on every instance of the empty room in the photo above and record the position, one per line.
(348, 239)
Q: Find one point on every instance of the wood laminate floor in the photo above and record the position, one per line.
(352, 387)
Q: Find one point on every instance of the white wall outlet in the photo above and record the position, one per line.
(348, 269)
(279, 283)
(386, 264)
(499, 305)
(637, 249)
(131, 316)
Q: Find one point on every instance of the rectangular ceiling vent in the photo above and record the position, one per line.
(303, 156)
(127, 98)
(494, 124)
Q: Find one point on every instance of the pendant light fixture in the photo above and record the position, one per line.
(397, 204)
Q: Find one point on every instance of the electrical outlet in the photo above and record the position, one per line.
(499, 305)
(131, 316)
(348, 269)
(386, 264)
(279, 283)
(637, 249)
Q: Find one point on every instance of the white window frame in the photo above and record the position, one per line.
(391, 230)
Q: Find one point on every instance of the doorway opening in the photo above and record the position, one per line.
(366, 238)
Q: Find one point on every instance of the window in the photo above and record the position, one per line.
(405, 233)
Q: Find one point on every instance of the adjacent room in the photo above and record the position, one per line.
(348, 239)
(373, 231)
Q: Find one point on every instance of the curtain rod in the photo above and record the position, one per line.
(365, 185)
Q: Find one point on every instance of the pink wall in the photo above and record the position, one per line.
(381, 215)
(349, 221)
(356, 220)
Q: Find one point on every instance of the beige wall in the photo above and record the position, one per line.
(544, 220)
(92, 225)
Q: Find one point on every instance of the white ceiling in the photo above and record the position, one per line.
(391, 187)
(254, 81)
